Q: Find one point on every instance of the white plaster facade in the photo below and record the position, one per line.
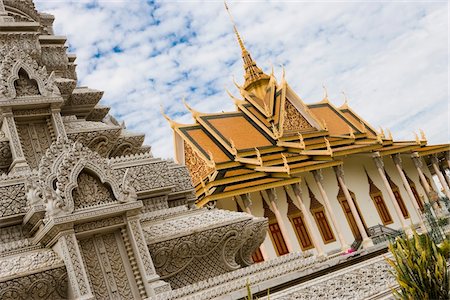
(356, 180)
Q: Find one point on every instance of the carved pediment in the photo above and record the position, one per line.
(20, 75)
(293, 120)
(72, 176)
(91, 191)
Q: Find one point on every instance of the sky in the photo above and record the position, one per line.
(389, 57)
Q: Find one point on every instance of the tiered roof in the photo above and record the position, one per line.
(273, 136)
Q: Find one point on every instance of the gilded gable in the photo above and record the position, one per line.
(294, 120)
(198, 168)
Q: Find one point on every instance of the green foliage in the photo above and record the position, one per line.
(250, 295)
(443, 222)
(420, 268)
(444, 248)
(249, 292)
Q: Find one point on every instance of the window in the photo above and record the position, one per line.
(400, 202)
(257, 256)
(382, 209)
(350, 217)
(277, 239)
(324, 227)
(302, 232)
(416, 195)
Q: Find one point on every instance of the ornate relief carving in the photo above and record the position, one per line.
(12, 200)
(25, 86)
(136, 230)
(147, 177)
(116, 269)
(90, 192)
(28, 262)
(25, 6)
(74, 264)
(14, 138)
(293, 119)
(27, 42)
(106, 267)
(68, 159)
(85, 96)
(54, 57)
(358, 283)
(197, 167)
(181, 178)
(49, 284)
(155, 204)
(94, 269)
(99, 224)
(15, 60)
(191, 248)
(36, 139)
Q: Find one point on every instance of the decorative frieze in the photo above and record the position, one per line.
(27, 263)
(48, 284)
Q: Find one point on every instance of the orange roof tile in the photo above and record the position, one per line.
(336, 123)
(205, 143)
(238, 129)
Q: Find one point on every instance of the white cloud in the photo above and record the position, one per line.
(390, 58)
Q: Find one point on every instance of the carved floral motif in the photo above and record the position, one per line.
(293, 119)
(196, 166)
(12, 199)
(49, 284)
(36, 139)
(90, 192)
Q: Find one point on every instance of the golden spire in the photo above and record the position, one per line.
(252, 72)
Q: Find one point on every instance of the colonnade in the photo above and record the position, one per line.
(271, 199)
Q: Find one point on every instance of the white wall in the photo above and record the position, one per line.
(356, 181)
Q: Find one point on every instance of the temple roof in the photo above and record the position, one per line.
(273, 137)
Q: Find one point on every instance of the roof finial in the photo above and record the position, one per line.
(241, 43)
(345, 105)
(325, 92)
(252, 71)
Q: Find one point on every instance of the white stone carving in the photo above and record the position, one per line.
(15, 60)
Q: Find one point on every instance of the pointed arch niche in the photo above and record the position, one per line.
(24, 85)
(90, 191)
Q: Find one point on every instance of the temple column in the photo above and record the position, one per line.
(380, 167)
(247, 201)
(398, 164)
(57, 123)
(79, 287)
(318, 178)
(19, 163)
(447, 158)
(418, 164)
(447, 178)
(366, 242)
(151, 281)
(272, 199)
(435, 163)
(308, 219)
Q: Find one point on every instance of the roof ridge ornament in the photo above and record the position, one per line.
(345, 105)
(252, 72)
(325, 94)
(301, 141)
(423, 137)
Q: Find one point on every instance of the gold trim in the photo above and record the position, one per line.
(251, 189)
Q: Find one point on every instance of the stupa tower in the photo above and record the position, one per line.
(86, 211)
